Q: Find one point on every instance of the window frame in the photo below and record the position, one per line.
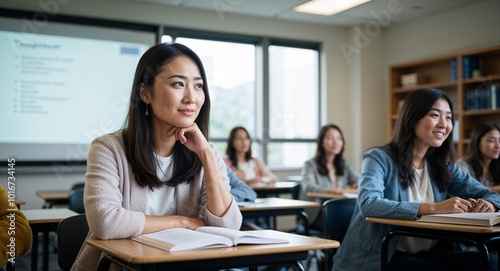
(262, 137)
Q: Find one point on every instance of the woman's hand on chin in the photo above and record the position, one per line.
(191, 137)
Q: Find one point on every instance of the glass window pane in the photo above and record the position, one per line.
(230, 69)
(294, 92)
(289, 154)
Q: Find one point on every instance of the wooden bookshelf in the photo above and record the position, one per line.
(464, 84)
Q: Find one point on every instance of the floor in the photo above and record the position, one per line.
(23, 263)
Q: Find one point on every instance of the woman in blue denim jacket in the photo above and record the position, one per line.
(409, 177)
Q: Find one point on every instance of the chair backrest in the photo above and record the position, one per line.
(78, 186)
(337, 215)
(71, 233)
(296, 191)
(75, 201)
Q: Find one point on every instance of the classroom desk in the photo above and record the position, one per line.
(53, 197)
(294, 178)
(138, 256)
(477, 236)
(320, 195)
(264, 190)
(44, 220)
(278, 206)
(20, 202)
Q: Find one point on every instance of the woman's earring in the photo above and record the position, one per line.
(147, 110)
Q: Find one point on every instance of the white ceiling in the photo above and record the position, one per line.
(405, 10)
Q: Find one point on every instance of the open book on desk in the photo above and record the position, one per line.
(179, 239)
(475, 219)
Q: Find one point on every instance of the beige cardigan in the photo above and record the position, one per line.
(115, 204)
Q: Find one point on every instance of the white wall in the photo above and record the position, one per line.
(357, 89)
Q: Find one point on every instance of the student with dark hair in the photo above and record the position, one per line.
(239, 158)
(328, 171)
(160, 171)
(411, 176)
(481, 159)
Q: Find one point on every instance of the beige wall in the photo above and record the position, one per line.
(354, 88)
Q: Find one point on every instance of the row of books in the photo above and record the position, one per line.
(411, 79)
(471, 67)
(487, 97)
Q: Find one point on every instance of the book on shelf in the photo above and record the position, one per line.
(470, 63)
(476, 219)
(180, 239)
(453, 69)
(483, 97)
(412, 79)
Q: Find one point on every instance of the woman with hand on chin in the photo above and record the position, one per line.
(481, 160)
(411, 176)
(159, 172)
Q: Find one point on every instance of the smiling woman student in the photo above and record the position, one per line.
(411, 176)
(481, 160)
(159, 172)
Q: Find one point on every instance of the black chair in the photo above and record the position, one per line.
(79, 185)
(337, 215)
(296, 191)
(71, 233)
(75, 201)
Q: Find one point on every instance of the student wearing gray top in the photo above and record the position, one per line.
(328, 171)
(160, 171)
(481, 159)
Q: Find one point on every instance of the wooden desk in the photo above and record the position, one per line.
(278, 206)
(332, 195)
(20, 202)
(133, 254)
(294, 178)
(44, 220)
(264, 190)
(53, 197)
(477, 236)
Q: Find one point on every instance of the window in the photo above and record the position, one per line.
(293, 104)
(279, 109)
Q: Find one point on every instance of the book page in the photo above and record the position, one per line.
(178, 239)
(350, 195)
(240, 237)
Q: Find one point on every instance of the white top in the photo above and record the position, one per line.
(249, 168)
(421, 191)
(161, 201)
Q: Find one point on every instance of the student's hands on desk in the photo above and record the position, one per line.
(157, 223)
(456, 205)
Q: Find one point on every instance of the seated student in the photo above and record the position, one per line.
(16, 231)
(242, 192)
(412, 176)
(328, 171)
(239, 189)
(481, 160)
(239, 158)
(160, 171)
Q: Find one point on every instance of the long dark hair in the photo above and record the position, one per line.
(231, 151)
(320, 157)
(474, 155)
(416, 106)
(137, 135)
